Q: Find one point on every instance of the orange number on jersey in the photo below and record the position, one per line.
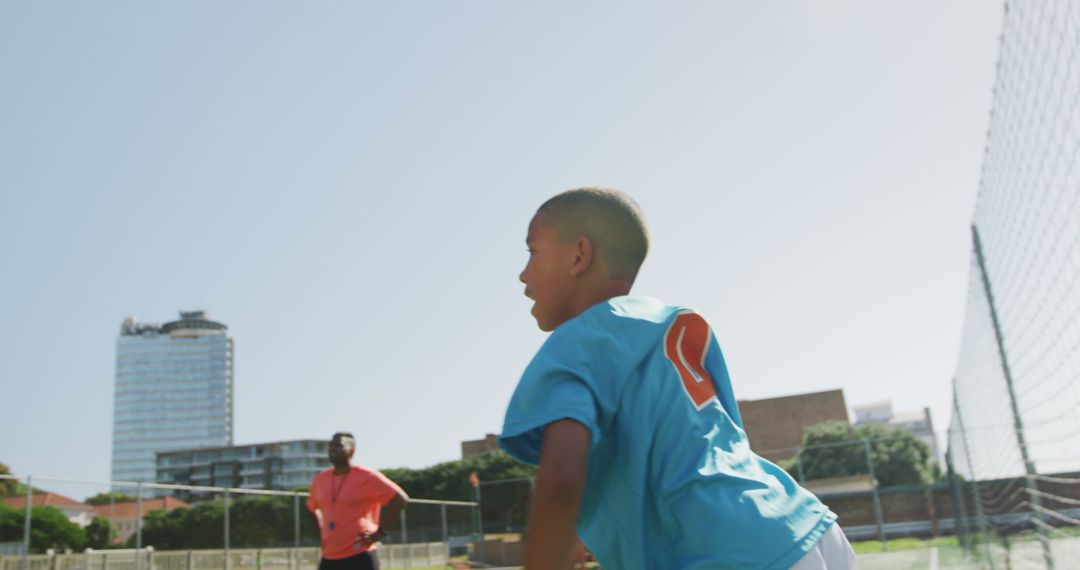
(685, 345)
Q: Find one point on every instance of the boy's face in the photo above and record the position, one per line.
(548, 279)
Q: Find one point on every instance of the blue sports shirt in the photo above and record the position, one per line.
(672, 481)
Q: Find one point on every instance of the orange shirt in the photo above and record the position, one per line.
(348, 506)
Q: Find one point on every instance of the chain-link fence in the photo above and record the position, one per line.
(180, 527)
(890, 494)
(504, 511)
(1014, 436)
(146, 526)
(881, 488)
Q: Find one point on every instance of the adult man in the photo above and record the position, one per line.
(351, 504)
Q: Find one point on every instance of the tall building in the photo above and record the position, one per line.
(174, 390)
(280, 465)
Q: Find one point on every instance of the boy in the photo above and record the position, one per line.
(629, 412)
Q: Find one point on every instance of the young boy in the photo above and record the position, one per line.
(629, 412)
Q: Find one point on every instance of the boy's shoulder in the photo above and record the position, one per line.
(619, 313)
(619, 330)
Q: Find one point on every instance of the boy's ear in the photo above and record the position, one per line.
(584, 255)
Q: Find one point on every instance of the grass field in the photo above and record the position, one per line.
(1024, 552)
(896, 544)
(946, 554)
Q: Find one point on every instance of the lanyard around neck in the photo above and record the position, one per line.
(335, 492)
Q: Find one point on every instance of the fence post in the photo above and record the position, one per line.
(931, 512)
(226, 542)
(405, 539)
(26, 523)
(445, 535)
(480, 524)
(190, 560)
(798, 464)
(959, 510)
(112, 517)
(979, 516)
(138, 525)
(877, 496)
(1018, 425)
(296, 521)
(1008, 550)
(294, 556)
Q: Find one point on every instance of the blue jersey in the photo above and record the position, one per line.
(672, 481)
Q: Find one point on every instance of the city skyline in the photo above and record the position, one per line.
(349, 189)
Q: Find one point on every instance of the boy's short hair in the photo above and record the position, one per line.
(609, 218)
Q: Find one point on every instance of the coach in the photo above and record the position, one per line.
(352, 505)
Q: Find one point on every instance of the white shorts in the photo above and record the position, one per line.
(832, 552)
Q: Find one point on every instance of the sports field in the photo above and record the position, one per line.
(946, 554)
(934, 557)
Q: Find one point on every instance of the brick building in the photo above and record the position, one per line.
(125, 515)
(775, 425)
(479, 446)
(77, 512)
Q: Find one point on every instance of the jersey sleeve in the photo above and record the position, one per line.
(312, 502)
(384, 489)
(567, 379)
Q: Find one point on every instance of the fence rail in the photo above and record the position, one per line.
(418, 555)
(428, 533)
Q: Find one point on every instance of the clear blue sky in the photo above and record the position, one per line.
(347, 186)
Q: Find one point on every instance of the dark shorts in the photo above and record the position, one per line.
(363, 561)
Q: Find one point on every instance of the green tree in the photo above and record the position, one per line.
(7, 486)
(167, 530)
(899, 457)
(115, 496)
(262, 521)
(254, 521)
(503, 506)
(49, 528)
(450, 480)
(11, 523)
(100, 533)
(20, 490)
(199, 527)
(267, 521)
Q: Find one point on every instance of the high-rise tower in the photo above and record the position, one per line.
(174, 389)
